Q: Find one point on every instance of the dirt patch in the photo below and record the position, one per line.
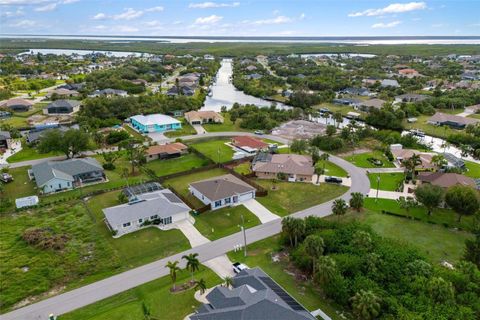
(29, 300)
(299, 129)
(357, 151)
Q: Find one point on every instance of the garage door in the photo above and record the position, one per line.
(246, 196)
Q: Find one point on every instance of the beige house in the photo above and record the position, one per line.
(295, 167)
(404, 154)
(202, 117)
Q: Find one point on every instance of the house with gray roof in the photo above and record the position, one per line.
(54, 176)
(5, 140)
(253, 296)
(222, 191)
(62, 107)
(160, 207)
(389, 83)
(108, 93)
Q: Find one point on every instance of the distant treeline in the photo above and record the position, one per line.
(234, 49)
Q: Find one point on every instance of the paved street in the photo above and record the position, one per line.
(102, 289)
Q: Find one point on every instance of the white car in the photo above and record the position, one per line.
(239, 267)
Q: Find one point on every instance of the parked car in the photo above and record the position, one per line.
(5, 177)
(239, 267)
(333, 180)
(259, 132)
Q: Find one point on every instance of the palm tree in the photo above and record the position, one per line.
(318, 171)
(439, 160)
(409, 165)
(324, 157)
(287, 228)
(465, 150)
(314, 246)
(174, 268)
(315, 155)
(228, 281)
(298, 229)
(337, 116)
(201, 285)
(326, 269)
(325, 115)
(339, 207)
(356, 201)
(365, 305)
(193, 264)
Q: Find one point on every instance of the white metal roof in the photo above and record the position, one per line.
(151, 119)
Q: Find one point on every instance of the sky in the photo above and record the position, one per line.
(241, 18)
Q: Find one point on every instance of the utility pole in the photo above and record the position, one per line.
(244, 236)
(378, 186)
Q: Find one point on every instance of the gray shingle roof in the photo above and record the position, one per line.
(64, 104)
(66, 169)
(222, 187)
(5, 135)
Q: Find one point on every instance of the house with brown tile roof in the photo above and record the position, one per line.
(249, 144)
(404, 154)
(446, 180)
(17, 104)
(296, 167)
(222, 191)
(445, 119)
(166, 151)
(203, 117)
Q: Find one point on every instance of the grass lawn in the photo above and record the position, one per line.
(16, 122)
(439, 216)
(243, 168)
(227, 125)
(290, 197)
(260, 255)
(360, 160)
(28, 153)
(180, 184)
(430, 129)
(169, 166)
(436, 242)
(220, 223)
(186, 130)
(140, 247)
(473, 169)
(216, 150)
(156, 295)
(135, 133)
(331, 169)
(21, 185)
(388, 181)
(85, 253)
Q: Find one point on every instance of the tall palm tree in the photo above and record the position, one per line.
(287, 228)
(174, 268)
(326, 269)
(339, 207)
(365, 305)
(338, 117)
(298, 229)
(201, 285)
(324, 157)
(318, 171)
(315, 155)
(193, 264)
(325, 115)
(228, 281)
(356, 201)
(439, 160)
(314, 247)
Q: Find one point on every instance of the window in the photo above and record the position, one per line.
(228, 200)
(167, 220)
(218, 203)
(154, 217)
(59, 186)
(140, 220)
(126, 224)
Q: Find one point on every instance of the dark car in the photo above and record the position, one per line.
(333, 180)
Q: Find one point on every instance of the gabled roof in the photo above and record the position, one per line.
(374, 103)
(171, 148)
(286, 163)
(151, 119)
(445, 117)
(222, 187)
(64, 104)
(16, 102)
(446, 180)
(251, 142)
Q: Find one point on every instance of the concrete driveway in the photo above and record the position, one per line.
(158, 137)
(199, 129)
(221, 265)
(260, 211)
(193, 235)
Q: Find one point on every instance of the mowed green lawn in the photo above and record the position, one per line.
(140, 247)
(186, 130)
(227, 125)
(216, 150)
(290, 197)
(180, 184)
(360, 160)
(156, 295)
(331, 169)
(243, 168)
(473, 169)
(388, 181)
(183, 163)
(260, 255)
(216, 224)
(28, 153)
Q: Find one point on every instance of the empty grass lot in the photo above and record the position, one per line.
(360, 160)
(140, 247)
(216, 150)
(28, 153)
(473, 169)
(227, 125)
(186, 130)
(180, 184)
(183, 163)
(290, 197)
(388, 181)
(243, 168)
(331, 169)
(156, 295)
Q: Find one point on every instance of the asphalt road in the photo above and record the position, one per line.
(102, 289)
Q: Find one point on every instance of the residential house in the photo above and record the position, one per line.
(251, 68)
(250, 145)
(17, 104)
(252, 296)
(72, 86)
(347, 102)
(5, 140)
(371, 103)
(409, 73)
(222, 191)
(63, 93)
(453, 161)
(446, 180)
(54, 176)
(160, 207)
(411, 97)
(401, 155)
(471, 76)
(62, 107)
(208, 57)
(454, 121)
(155, 123)
(295, 167)
(370, 81)
(356, 92)
(385, 83)
(253, 76)
(203, 117)
(166, 151)
(108, 93)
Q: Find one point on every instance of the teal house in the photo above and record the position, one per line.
(155, 123)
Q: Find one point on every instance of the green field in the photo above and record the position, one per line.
(180, 184)
(156, 295)
(473, 169)
(227, 125)
(28, 153)
(360, 160)
(331, 169)
(290, 197)
(243, 168)
(186, 130)
(216, 150)
(169, 166)
(388, 181)
(216, 224)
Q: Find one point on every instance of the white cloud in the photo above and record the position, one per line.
(23, 24)
(153, 23)
(48, 7)
(69, 1)
(99, 16)
(390, 9)
(208, 4)
(128, 14)
(276, 20)
(386, 25)
(10, 14)
(154, 9)
(208, 20)
(22, 2)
